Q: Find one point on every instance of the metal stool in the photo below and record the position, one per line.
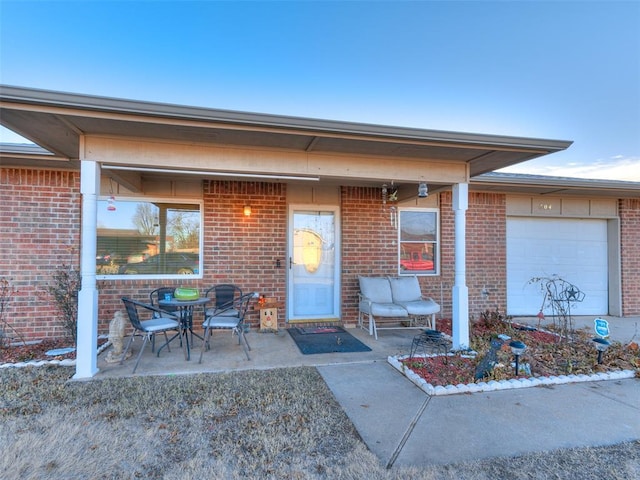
(428, 341)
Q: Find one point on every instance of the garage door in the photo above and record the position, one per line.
(573, 249)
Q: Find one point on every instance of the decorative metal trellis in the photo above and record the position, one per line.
(559, 296)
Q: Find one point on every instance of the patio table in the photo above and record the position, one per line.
(185, 312)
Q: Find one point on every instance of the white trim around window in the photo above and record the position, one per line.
(418, 241)
(143, 238)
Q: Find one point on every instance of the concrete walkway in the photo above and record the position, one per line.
(404, 426)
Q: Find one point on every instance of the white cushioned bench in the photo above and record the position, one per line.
(394, 299)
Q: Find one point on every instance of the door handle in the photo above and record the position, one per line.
(290, 263)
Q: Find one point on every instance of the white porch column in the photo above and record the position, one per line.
(87, 348)
(460, 293)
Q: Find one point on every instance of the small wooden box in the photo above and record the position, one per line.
(269, 319)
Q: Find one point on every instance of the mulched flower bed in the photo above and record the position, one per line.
(38, 351)
(547, 354)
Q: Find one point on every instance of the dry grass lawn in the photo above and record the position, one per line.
(276, 424)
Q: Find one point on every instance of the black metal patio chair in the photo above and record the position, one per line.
(229, 317)
(154, 297)
(148, 328)
(223, 296)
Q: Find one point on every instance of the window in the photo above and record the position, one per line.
(143, 237)
(418, 237)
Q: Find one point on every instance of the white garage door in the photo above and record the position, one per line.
(573, 249)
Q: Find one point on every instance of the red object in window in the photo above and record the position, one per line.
(417, 264)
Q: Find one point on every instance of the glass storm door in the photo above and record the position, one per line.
(314, 287)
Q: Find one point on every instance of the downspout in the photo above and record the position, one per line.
(460, 293)
(87, 333)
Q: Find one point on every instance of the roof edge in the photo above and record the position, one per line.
(545, 180)
(53, 98)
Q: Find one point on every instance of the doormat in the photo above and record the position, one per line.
(329, 342)
(315, 330)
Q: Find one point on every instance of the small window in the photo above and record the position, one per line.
(418, 238)
(151, 238)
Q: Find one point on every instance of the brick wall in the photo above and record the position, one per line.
(486, 256)
(487, 253)
(629, 211)
(236, 249)
(248, 251)
(40, 225)
(369, 248)
(368, 244)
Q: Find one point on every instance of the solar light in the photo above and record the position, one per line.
(601, 345)
(517, 348)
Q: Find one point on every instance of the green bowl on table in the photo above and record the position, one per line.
(183, 293)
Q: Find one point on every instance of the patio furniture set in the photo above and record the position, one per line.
(171, 309)
(384, 303)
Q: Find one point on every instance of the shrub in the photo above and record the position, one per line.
(6, 293)
(65, 288)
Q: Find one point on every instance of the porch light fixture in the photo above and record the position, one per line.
(517, 348)
(423, 191)
(601, 345)
(247, 210)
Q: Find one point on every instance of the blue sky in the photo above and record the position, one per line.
(547, 69)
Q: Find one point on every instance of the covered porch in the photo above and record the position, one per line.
(140, 145)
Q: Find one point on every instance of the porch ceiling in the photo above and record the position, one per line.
(56, 121)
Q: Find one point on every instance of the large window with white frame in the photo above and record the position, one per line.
(418, 241)
(149, 237)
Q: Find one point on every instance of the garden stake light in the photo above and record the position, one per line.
(517, 348)
(601, 345)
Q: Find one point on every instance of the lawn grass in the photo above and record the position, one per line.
(281, 423)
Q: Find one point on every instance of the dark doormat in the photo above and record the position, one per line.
(337, 340)
(317, 330)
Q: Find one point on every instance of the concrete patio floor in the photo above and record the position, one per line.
(268, 350)
(278, 350)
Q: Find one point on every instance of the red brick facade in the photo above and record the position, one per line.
(629, 211)
(40, 224)
(369, 248)
(236, 249)
(368, 243)
(487, 252)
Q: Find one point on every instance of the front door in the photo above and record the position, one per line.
(314, 273)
